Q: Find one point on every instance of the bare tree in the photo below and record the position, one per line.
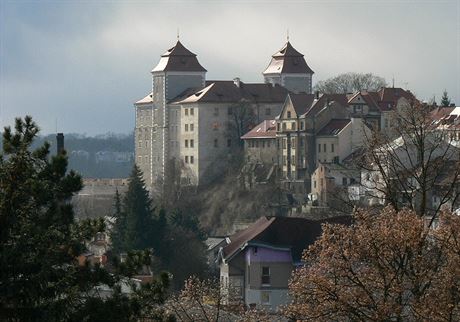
(382, 268)
(350, 83)
(241, 119)
(422, 162)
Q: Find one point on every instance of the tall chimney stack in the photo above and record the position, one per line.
(60, 143)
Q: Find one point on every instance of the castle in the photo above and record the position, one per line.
(191, 125)
(190, 128)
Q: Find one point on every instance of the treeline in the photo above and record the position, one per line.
(103, 156)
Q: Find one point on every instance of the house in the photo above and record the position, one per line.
(256, 264)
(260, 143)
(330, 183)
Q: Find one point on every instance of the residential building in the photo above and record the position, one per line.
(256, 264)
(330, 182)
(260, 143)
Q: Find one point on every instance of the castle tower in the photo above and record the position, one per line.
(177, 71)
(288, 68)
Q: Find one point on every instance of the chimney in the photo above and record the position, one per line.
(317, 95)
(236, 81)
(60, 143)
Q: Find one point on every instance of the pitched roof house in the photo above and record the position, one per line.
(257, 262)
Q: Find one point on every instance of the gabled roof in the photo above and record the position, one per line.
(264, 130)
(284, 232)
(320, 103)
(333, 127)
(301, 102)
(179, 58)
(288, 60)
(230, 92)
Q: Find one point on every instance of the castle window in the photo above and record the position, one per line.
(344, 181)
(268, 143)
(257, 143)
(191, 159)
(319, 147)
(186, 159)
(215, 143)
(186, 127)
(140, 143)
(324, 146)
(284, 126)
(229, 143)
(293, 126)
(293, 143)
(278, 127)
(332, 147)
(216, 111)
(301, 125)
(191, 111)
(186, 111)
(191, 143)
(289, 114)
(186, 143)
(191, 127)
(230, 110)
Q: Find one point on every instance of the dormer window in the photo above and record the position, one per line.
(289, 114)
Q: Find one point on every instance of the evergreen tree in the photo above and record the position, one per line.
(120, 222)
(445, 100)
(40, 276)
(139, 224)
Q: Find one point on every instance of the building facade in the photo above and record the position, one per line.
(191, 124)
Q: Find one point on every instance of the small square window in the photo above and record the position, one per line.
(265, 297)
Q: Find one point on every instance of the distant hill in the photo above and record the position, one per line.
(103, 156)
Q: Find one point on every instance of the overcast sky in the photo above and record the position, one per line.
(82, 64)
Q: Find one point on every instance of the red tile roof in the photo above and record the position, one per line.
(265, 130)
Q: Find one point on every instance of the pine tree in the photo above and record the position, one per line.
(445, 100)
(139, 226)
(120, 222)
(40, 276)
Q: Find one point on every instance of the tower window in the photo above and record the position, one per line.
(289, 114)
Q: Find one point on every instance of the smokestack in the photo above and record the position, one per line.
(317, 95)
(237, 81)
(60, 143)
